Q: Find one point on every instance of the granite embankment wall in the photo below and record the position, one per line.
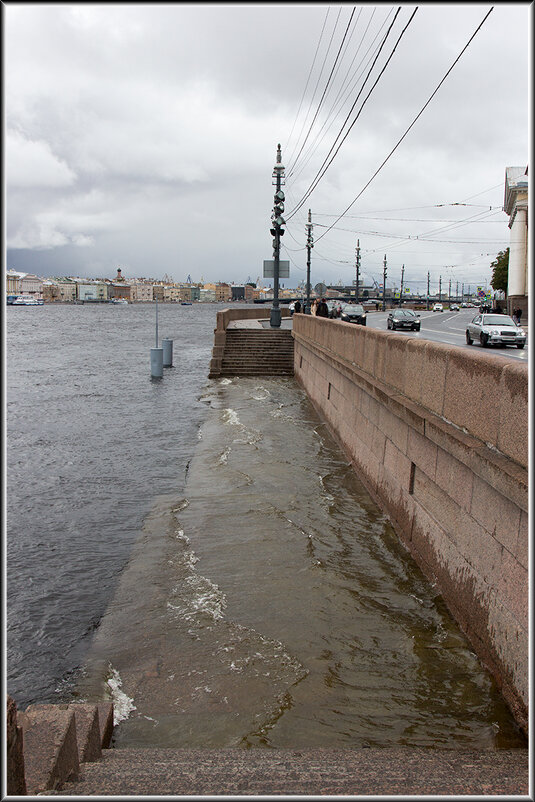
(439, 435)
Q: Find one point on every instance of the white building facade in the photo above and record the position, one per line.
(516, 206)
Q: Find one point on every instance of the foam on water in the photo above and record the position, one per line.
(123, 705)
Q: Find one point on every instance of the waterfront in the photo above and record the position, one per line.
(90, 442)
(263, 600)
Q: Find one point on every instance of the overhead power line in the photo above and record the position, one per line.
(306, 85)
(325, 90)
(324, 167)
(315, 88)
(414, 121)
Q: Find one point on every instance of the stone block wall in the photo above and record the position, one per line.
(439, 435)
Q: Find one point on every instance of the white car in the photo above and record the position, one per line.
(495, 330)
(438, 308)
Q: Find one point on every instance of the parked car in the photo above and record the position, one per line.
(438, 308)
(454, 308)
(491, 329)
(403, 319)
(353, 313)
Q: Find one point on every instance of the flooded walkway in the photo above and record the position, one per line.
(273, 606)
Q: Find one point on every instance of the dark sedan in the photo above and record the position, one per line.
(353, 313)
(403, 319)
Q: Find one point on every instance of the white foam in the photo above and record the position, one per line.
(231, 417)
(122, 704)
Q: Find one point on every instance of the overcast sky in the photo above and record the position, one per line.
(144, 137)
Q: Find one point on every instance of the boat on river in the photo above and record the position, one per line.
(27, 300)
(121, 301)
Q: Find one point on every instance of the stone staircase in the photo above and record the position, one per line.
(251, 352)
(47, 744)
(62, 750)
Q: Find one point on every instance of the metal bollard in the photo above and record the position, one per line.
(167, 346)
(156, 363)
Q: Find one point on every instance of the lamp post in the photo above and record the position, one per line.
(310, 245)
(277, 231)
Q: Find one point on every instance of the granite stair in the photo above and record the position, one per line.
(258, 353)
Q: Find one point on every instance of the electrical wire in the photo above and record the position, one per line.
(325, 90)
(324, 167)
(415, 119)
(306, 85)
(316, 87)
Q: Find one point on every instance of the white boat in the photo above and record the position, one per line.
(27, 300)
(119, 301)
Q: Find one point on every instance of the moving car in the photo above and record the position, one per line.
(491, 329)
(438, 308)
(454, 308)
(403, 319)
(353, 313)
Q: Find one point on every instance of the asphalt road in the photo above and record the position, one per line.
(449, 327)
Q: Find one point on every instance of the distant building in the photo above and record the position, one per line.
(90, 290)
(141, 291)
(157, 292)
(516, 206)
(206, 295)
(13, 282)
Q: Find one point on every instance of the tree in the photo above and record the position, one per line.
(500, 271)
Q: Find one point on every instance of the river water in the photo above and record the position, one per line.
(203, 552)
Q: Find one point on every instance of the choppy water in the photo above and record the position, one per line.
(91, 441)
(253, 596)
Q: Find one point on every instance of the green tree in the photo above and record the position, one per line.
(500, 271)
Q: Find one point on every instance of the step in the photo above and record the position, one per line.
(50, 747)
(57, 738)
(307, 772)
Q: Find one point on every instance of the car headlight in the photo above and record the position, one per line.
(494, 331)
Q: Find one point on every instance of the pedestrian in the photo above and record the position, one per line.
(322, 309)
(292, 308)
(314, 306)
(297, 306)
(518, 315)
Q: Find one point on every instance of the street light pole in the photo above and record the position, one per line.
(277, 232)
(384, 283)
(310, 245)
(358, 272)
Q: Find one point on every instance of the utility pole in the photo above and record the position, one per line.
(440, 289)
(310, 245)
(456, 292)
(358, 272)
(427, 303)
(401, 288)
(462, 295)
(449, 292)
(277, 231)
(384, 283)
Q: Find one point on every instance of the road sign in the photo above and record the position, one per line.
(269, 268)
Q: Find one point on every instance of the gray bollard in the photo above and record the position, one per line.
(167, 346)
(156, 363)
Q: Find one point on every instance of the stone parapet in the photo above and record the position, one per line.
(440, 437)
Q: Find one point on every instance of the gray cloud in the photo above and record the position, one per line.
(145, 136)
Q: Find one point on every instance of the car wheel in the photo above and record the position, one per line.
(363, 322)
(484, 339)
(388, 325)
(469, 340)
(417, 328)
(520, 345)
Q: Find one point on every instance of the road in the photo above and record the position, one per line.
(448, 327)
